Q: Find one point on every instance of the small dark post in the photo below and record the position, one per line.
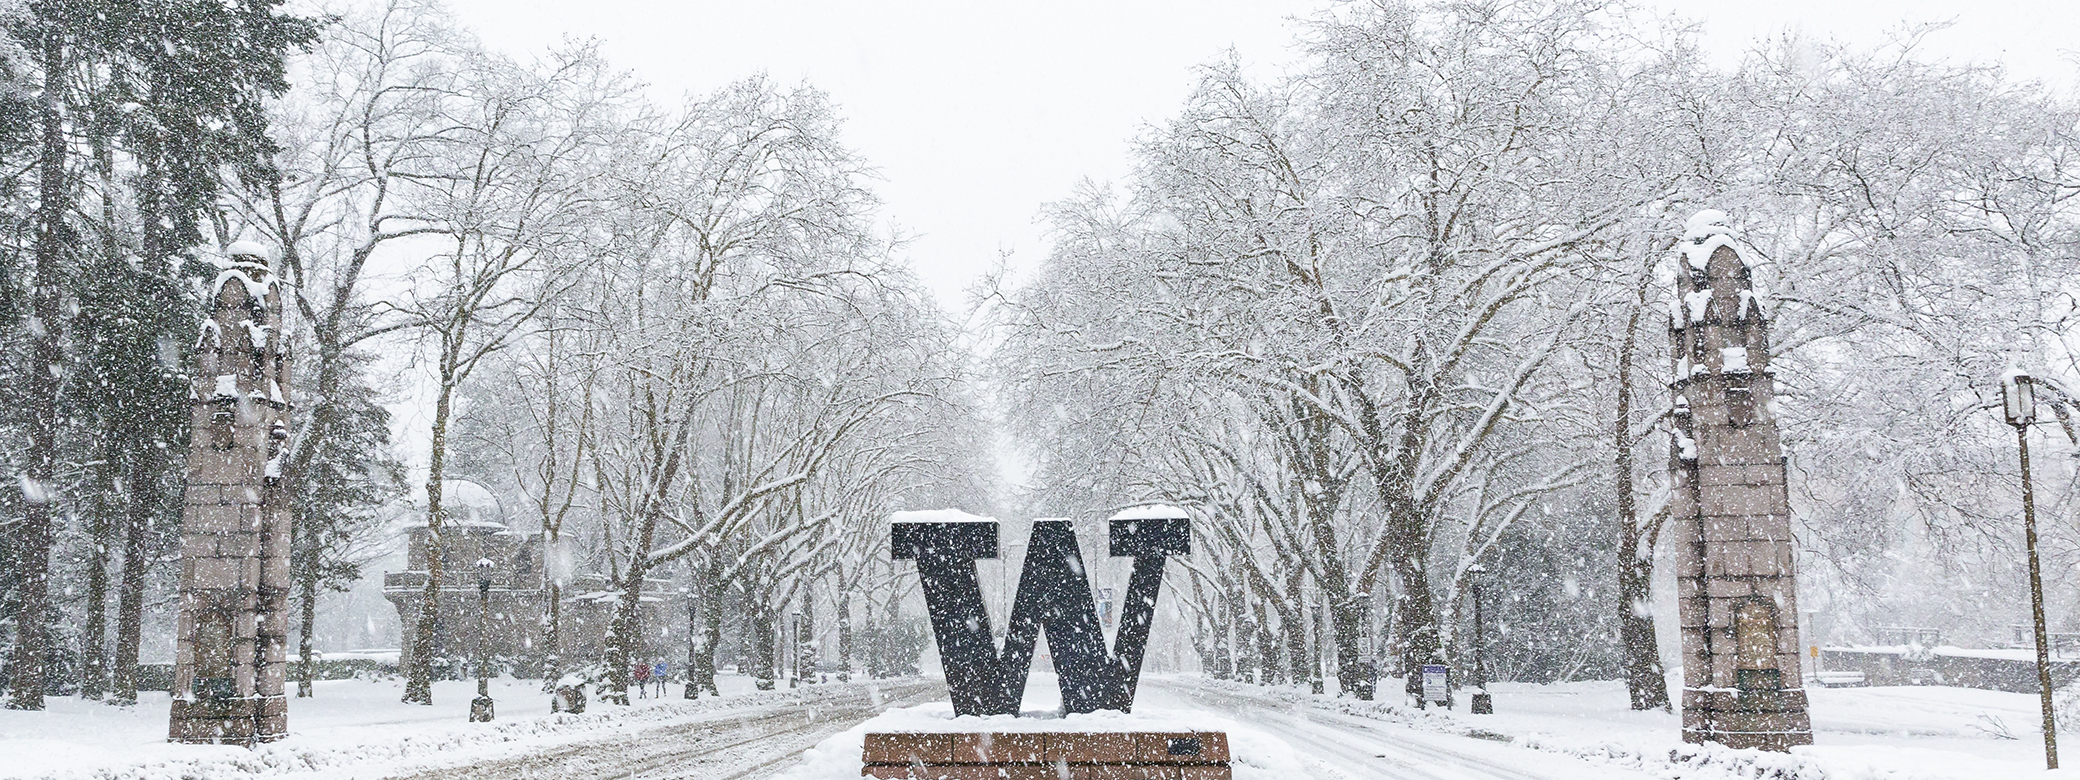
(480, 708)
(2019, 397)
(1483, 704)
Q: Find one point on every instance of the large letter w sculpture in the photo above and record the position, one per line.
(1054, 595)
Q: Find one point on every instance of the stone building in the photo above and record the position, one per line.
(515, 626)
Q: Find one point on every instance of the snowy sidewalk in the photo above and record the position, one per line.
(353, 729)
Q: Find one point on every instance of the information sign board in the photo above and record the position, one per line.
(1434, 679)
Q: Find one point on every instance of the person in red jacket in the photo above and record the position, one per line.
(642, 675)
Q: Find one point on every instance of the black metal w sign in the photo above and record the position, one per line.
(1054, 595)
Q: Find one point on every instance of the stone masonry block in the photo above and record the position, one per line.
(1693, 613)
(1741, 474)
(1687, 528)
(907, 747)
(215, 466)
(1722, 670)
(238, 544)
(1739, 499)
(991, 748)
(1089, 747)
(1721, 613)
(1690, 559)
(1690, 588)
(211, 519)
(1729, 589)
(213, 572)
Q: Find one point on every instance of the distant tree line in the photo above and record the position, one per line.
(680, 335)
(1403, 312)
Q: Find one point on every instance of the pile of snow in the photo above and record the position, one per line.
(1255, 754)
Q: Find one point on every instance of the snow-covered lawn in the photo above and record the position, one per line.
(350, 728)
(1886, 732)
(1881, 733)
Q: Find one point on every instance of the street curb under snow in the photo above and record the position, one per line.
(444, 745)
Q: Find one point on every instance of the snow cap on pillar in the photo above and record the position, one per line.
(1705, 224)
(247, 249)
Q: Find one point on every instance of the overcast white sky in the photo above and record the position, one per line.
(976, 113)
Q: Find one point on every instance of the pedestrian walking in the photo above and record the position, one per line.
(642, 680)
(660, 673)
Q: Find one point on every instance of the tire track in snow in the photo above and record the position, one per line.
(740, 744)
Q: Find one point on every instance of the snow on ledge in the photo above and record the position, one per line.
(1151, 512)
(937, 516)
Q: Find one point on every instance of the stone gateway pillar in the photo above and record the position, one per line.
(1730, 509)
(232, 633)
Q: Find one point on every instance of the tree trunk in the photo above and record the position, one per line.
(762, 641)
(418, 681)
(1268, 670)
(40, 390)
(625, 633)
(144, 488)
(1644, 679)
(1415, 612)
(805, 640)
(845, 649)
(93, 651)
(307, 587)
(702, 671)
(1294, 627)
(553, 668)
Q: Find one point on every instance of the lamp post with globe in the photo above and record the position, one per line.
(2020, 395)
(480, 708)
(1483, 704)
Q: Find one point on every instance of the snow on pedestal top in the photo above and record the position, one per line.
(1151, 512)
(937, 516)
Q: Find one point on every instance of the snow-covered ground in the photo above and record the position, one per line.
(357, 729)
(1894, 733)
(1887, 733)
(352, 729)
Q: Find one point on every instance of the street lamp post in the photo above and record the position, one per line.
(794, 664)
(2018, 396)
(480, 708)
(1483, 704)
(693, 639)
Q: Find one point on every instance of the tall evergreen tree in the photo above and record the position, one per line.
(185, 79)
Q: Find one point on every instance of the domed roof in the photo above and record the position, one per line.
(466, 504)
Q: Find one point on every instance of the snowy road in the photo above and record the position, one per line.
(750, 743)
(1336, 745)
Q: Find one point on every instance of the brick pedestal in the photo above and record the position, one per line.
(1139, 755)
